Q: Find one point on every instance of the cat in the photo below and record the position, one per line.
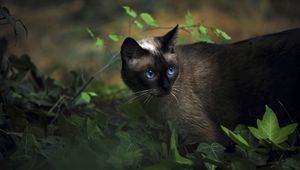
(203, 85)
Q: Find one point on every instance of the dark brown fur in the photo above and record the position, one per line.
(225, 84)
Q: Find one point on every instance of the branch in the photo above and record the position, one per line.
(111, 61)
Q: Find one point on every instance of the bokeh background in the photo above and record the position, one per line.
(58, 42)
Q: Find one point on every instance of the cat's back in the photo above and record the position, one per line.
(291, 36)
(264, 68)
(275, 45)
(287, 39)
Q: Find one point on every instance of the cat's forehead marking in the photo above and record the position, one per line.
(138, 64)
(150, 44)
(169, 57)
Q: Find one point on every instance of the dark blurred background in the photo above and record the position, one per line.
(58, 41)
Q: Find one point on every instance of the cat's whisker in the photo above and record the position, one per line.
(132, 99)
(144, 95)
(146, 98)
(137, 96)
(175, 97)
(142, 91)
(176, 90)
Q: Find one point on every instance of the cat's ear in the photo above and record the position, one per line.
(169, 39)
(131, 49)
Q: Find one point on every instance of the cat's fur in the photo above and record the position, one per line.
(215, 84)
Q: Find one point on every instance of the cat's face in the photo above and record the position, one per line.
(150, 64)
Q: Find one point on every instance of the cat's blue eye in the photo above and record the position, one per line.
(171, 71)
(149, 74)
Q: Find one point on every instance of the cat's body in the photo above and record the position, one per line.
(230, 83)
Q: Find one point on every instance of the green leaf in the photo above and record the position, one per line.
(92, 129)
(285, 132)
(127, 153)
(85, 97)
(114, 37)
(203, 36)
(268, 128)
(212, 153)
(244, 131)
(213, 150)
(256, 133)
(242, 164)
(189, 20)
(189, 25)
(130, 11)
(173, 146)
(258, 159)
(148, 19)
(269, 125)
(238, 139)
(291, 163)
(92, 93)
(99, 42)
(222, 34)
(138, 25)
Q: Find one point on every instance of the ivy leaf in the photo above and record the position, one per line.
(148, 19)
(114, 37)
(238, 139)
(244, 131)
(138, 25)
(173, 146)
(213, 150)
(130, 11)
(127, 153)
(92, 129)
(291, 163)
(268, 128)
(99, 42)
(222, 34)
(85, 97)
(285, 132)
(258, 134)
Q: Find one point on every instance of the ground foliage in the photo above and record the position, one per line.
(44, 124)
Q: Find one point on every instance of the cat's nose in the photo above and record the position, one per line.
(166, 87)
(167, 90)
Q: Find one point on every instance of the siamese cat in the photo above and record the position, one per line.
(202, 86)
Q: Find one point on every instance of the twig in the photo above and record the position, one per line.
(113, 59)
(12, 133)
(183, 28)
(57, 105)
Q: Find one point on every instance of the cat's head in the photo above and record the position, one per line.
(150, 64)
